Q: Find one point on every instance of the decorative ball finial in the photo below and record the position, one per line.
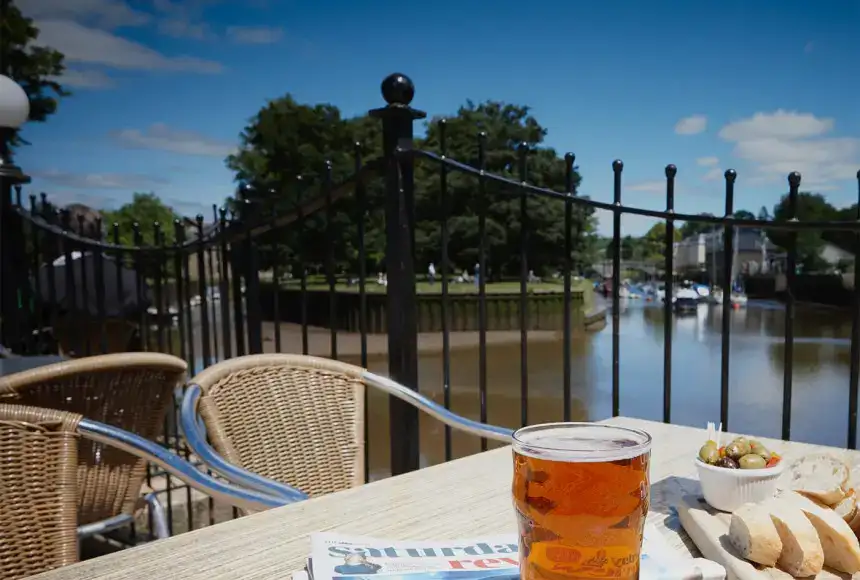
(731, 175)
(671, 171)
(794, 178)
(569, 158)
(398, 89)
(523, 147)
(858, 174)
(199, 218)
(617, 165)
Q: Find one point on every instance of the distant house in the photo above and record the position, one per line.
(754, 253)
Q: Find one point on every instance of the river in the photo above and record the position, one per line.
(820, 394)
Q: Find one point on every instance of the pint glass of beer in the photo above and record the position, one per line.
(581, 491)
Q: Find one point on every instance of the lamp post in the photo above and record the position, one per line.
(14, 112)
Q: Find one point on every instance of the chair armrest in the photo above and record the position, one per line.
(194, 432)
(249, 499)
(436, 410)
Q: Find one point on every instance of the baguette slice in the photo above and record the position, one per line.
(802, 554)
(753, 534)
(840, 545)
(821, 477)
(847, 508)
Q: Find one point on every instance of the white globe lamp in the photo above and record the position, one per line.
(14, 104)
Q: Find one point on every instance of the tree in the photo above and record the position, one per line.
(282, 162)
(287, 139)
(764, 214)
(654, 242)
(810, 207)
(692, 228)
(145, 209)
(35, 68)
(506, 126)
(743, 214)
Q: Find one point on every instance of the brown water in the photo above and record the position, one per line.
(820, 394)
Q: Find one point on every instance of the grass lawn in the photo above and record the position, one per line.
(463, 288)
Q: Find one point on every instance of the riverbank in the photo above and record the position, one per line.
(349, 343)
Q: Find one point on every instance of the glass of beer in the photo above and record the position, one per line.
(581, 491)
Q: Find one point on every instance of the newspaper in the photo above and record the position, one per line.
(340, 557)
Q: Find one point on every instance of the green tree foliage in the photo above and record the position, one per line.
(688, 229)
(146, 210)
(812, 207)
(35, 68)
(287, 139)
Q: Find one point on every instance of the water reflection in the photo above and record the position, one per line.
(820, 394)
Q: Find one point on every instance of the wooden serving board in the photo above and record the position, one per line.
(709, 530)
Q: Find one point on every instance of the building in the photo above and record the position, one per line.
(703, 254)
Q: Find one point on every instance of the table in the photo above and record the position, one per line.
(465, 498)
(18, 364)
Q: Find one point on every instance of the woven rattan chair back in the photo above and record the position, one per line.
(295, 419)
(38, 490)
(131, 391)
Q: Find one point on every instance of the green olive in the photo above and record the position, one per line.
(752, 461)
(727, 462)
(737, 450)
(709, 454)
(710, 443)
(744, 444)
(759, 449)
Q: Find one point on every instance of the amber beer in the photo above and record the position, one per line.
(581, 491)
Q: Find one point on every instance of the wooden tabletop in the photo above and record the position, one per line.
(461, 499)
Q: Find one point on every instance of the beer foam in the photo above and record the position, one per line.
(581, 442)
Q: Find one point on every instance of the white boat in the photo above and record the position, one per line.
(737, 299)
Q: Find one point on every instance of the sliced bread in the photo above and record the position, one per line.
(840, 545)
(802, 554)
(820, 476)
(847, 508)
(753, 534)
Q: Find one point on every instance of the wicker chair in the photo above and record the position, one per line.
(280, 423)
(39, 484)
(131, 391)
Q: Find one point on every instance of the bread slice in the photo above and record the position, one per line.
(802, 554)
(847, 508)
(840, 545)
(820, 476)
(753, 534)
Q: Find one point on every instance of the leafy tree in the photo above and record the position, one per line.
(692, 228)
(145, 209)
(654, 242)
(743, 214)
(810, 207)
(287, 139)
(35, 68)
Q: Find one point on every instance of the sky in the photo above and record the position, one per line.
(163, 88)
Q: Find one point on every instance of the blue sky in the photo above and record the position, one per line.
(162, 88)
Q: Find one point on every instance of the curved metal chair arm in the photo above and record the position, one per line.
(194, 432)
(436, 410)
(173, 464)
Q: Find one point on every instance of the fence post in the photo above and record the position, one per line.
(13, 260)
(397, 134)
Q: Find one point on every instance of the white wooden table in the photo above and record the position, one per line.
(464, 498)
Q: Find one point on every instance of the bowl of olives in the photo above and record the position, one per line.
(742, 471)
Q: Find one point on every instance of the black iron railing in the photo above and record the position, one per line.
(208, 297)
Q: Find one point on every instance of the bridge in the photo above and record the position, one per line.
(604, 267)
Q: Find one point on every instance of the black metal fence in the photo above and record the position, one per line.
(207, 296)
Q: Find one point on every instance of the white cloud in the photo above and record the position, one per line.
(777, 143)
(707, 161)
(101, 13)
(161, 137)
(692, 125)
(85, 79)
(713, 174)
(89, 45)
(649, 186)
(100, 180)
(254, 34)
(178, 28)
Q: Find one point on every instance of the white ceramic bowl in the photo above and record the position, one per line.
(728, 489)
